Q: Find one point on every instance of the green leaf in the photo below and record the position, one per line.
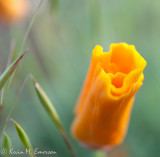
(6, 146)
(9, 71)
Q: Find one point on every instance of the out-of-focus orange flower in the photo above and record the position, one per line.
(13, 10)
(104, 106)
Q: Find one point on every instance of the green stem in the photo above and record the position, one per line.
(66, 140)
(14, 105)
(29, 27)
(21, 50)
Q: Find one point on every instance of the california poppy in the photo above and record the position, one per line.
(13, 10)
(103, 109)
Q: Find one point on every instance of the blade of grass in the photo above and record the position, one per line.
(49, 107)
(37, 52)
(14, 104)
(8, 72)
(21, 50)
(10, 57)
(6, 144)
(24, 138)
(4, 96)
(22, 46)
(11, 52)
(30, 26)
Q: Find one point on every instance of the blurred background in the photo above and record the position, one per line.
(61, 41)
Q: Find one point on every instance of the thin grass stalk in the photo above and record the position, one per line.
(14, 104)
(29, 27)
(49, 107)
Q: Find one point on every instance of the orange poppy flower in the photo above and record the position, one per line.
(13, 10)
(104, 106)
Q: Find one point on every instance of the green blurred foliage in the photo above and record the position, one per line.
(60, 44)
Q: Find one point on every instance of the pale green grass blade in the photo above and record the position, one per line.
(14, 104)
(24, 138)
(4, 96)
(9, 71)
(21, 48)
(51, 111)
(30, 26)
(6, 146)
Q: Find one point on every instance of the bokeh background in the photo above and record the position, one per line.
(61, 42)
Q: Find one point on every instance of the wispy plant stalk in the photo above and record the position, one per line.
(51, 111)
(20, 51)
(29, 27)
